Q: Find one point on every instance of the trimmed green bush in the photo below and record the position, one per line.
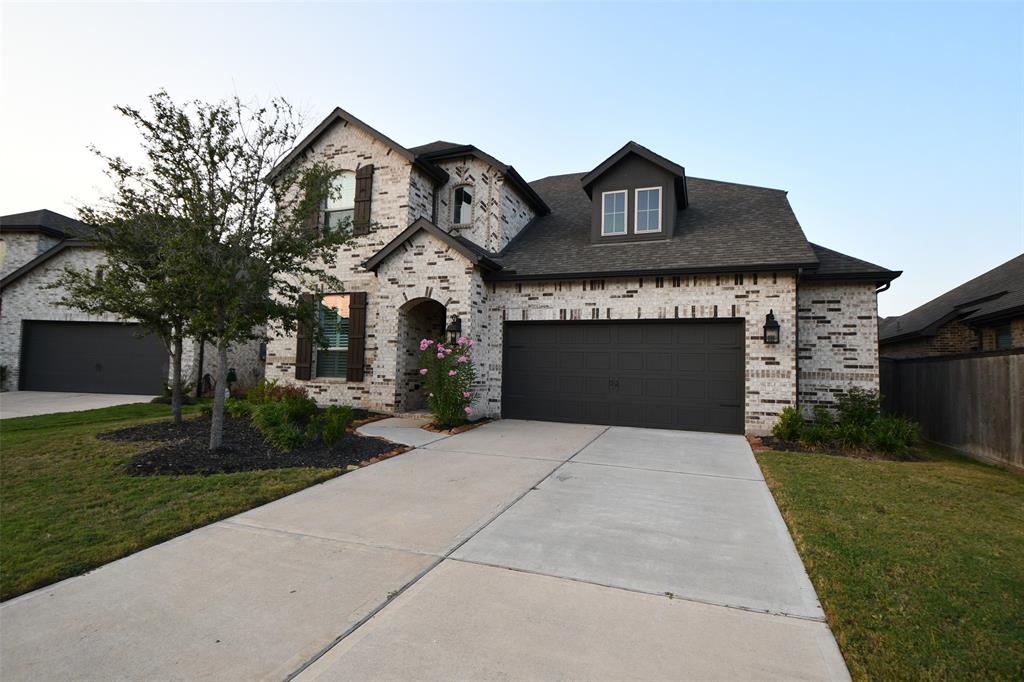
(851, 436)
(233, 407)
(859, 406)
(816, 434)
(335, 421)
(273, 421)
(893, 434)
(789, 426)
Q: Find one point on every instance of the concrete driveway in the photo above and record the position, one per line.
(518, 550)
(31, 403)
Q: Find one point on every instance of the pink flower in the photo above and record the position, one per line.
(463, 340)
(463, 359)
(425, 344)
(469, 410)
(440, 356)
(447, 351)
(452, 372)
(423, 371)
(472, 343)
(466, 394)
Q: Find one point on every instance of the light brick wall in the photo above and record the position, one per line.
(838, 347)
(499, 212)
(398, 197)
(18, 248)
(29, 299)
(770, 370)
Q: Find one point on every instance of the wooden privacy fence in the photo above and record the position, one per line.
(973, 402)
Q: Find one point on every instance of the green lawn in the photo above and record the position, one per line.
(66, 506)
(919, 565)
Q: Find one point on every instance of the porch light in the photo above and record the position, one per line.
(454, 330)
(771, 328)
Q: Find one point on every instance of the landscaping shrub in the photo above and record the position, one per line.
(272, 420)
(816, 434)
(851, 436)
(894, 434)
(448, 373)
(859, 406)
(334, 422)
(271, 391)
(233, 407)
(789, 426)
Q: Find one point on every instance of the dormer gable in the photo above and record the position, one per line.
(636, 195)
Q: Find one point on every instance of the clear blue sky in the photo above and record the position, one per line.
(897, 129)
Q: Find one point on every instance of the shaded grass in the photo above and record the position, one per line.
(67, 505)
(919, 565)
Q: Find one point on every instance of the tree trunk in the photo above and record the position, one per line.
(217, 423)
(199, 369)
(176, 380)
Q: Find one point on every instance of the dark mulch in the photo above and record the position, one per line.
(183, 449)
(773, 443)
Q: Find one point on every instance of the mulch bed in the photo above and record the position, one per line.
(773, 443)
(184, 449)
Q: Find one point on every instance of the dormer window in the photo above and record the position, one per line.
(613, 213)
(340, 206)
(648, 210)
(462, 206)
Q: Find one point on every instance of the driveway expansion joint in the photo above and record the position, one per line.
(231, 523)
(667, 471)
(434, 564)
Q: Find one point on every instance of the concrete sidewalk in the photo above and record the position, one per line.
(32, 403)
(517, 550)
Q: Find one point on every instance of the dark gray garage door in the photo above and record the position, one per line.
(671, 374)
(91, 357)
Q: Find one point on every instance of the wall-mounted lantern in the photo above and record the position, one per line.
(771, 328)
(454, 330)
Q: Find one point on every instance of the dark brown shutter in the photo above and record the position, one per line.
(364, 190)
(304, 345)
(356, 335)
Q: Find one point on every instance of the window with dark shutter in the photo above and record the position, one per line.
(356, 336)
(364, 191)
(304, 345)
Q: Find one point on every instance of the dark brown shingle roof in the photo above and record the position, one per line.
(726, 227)
(998, 292)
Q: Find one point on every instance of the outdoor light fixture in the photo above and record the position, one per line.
(454, 330)
(771, 328)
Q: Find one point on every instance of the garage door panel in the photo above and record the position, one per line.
(670, 374)
(91, 357)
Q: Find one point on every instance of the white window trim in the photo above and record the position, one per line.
(636, 211)
(455, 189)
(625, 213)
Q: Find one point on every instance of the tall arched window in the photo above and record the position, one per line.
(462, 205)
(340, 207)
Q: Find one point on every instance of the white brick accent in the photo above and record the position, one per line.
(18, 248)
(838, 349)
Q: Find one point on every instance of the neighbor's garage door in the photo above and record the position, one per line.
(664, 374)
(91, 357)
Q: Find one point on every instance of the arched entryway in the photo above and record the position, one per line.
(420, 318)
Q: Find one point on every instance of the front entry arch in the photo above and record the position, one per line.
(418, 319)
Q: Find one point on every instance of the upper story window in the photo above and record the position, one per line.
(613, 212)
(340, 206)
(462, 206)
(333, 326)
(648, 210)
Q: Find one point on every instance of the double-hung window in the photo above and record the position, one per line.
(1004, 337)
(648, 210)
(333, 326)
(340, 207)
(613, 212)
(462, 206)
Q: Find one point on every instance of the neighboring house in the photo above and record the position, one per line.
(631, 294)
(984, 314)
(47, 347)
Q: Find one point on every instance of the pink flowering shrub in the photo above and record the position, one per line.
(449, 375)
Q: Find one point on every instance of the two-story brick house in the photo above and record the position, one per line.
(631, 294)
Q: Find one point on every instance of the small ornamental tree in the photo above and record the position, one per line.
(448, 373)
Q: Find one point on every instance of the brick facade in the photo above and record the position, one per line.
(30, 298)
(18, 248)
(426, 269)
(838, 340)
